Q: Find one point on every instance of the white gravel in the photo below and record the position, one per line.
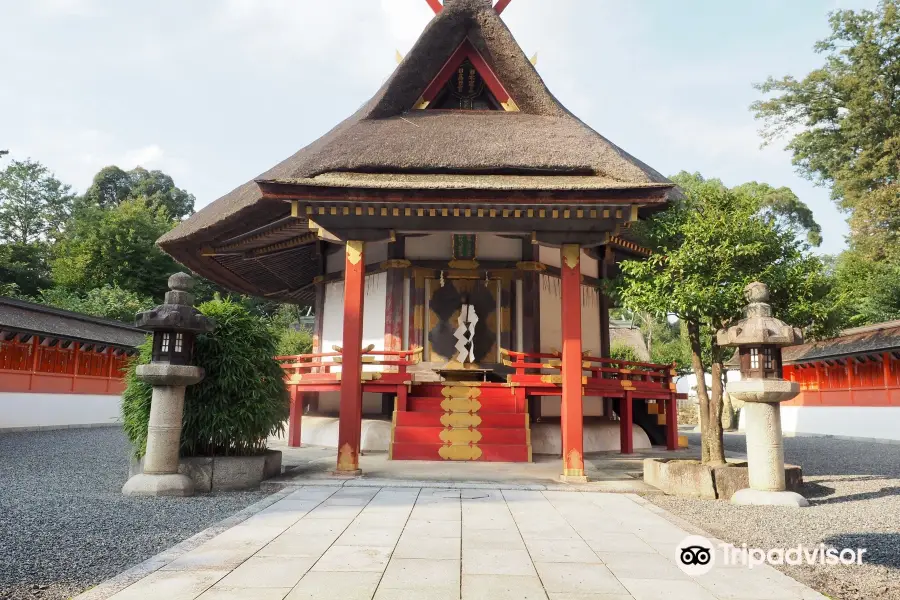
(64, 525)
(854, 492)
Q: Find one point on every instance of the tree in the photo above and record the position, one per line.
(868, 290)
(112, 186)
(115, 247)
(843, 123)
(109, 301)
(24, 267)
(707, 248)
(34, 205)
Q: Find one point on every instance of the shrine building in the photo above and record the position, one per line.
(453, 235)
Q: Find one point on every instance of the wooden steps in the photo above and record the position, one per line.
(461, 422)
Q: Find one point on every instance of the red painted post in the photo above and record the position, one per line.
(296, 417)
(571, 410)
(350, 423)
(36, 348)
(625, 424)
(75, 347)
(886, 367)
(850, 373)
(672, 422)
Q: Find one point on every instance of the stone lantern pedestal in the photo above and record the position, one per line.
(765, 445)
(759, 338)
(161, 476)
(174, 325)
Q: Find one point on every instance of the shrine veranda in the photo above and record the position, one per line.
(462, 183)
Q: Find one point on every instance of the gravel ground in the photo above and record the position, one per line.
(64, 525)
(854, 493)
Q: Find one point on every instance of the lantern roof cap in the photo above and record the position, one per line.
(177, 313)
(758, 325)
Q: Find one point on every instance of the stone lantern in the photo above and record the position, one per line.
(175, 325)
(759, 338)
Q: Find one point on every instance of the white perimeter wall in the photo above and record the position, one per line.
(875, 422)
(57, 410)
(373, 332)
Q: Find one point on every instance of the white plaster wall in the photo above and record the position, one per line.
(551, 317)
(589, 266)
(438, 246)
(876, 422)
(373, 313)
(57, 410)
(493, 247)
(375, 252)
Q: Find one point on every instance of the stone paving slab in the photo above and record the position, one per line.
(352, 542)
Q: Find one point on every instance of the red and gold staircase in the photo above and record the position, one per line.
(461, 421)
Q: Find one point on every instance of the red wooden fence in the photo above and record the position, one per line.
(851, 381)
(79, 369)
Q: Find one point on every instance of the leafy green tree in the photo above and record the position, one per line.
(34, 205)
(868, 290)
(109, 301)
(707, 248)
(240, 403)
(112, 186)
(24, 267)
(843, 123)
(116, 246)
(621, 351)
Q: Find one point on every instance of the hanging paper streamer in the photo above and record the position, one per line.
(465, 334)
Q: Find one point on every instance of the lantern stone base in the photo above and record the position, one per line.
(169, 484)
(164, 374)
(748, 497)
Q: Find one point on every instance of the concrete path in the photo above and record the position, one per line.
(353, 543)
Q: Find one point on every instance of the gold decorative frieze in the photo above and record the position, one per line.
(531, 265)
(460, 391)
(571, 255)
(354, 251)
(551, 379)
(396, 263)
(463, 452)
(460, 405)
(459, 437)
(346, 459)
(465, 265)
(460, 420)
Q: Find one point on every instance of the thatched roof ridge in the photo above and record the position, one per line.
(385, 136)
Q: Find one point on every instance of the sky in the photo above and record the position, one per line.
(214, 92)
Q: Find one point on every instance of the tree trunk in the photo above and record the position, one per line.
(713, 436)
(728, 422)
(693, 330)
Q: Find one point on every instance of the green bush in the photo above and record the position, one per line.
(241, 401)
(293, 341)
(620, 351)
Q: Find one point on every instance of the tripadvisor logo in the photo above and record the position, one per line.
(695, 556)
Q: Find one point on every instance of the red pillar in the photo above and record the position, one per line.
(350, 424)
(295, 421)
(672, 422)
(571, 412)
(625, 424)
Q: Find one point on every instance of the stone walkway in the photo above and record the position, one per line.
(431, 543)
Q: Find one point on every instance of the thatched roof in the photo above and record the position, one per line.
(387, 144)
(38, 319)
